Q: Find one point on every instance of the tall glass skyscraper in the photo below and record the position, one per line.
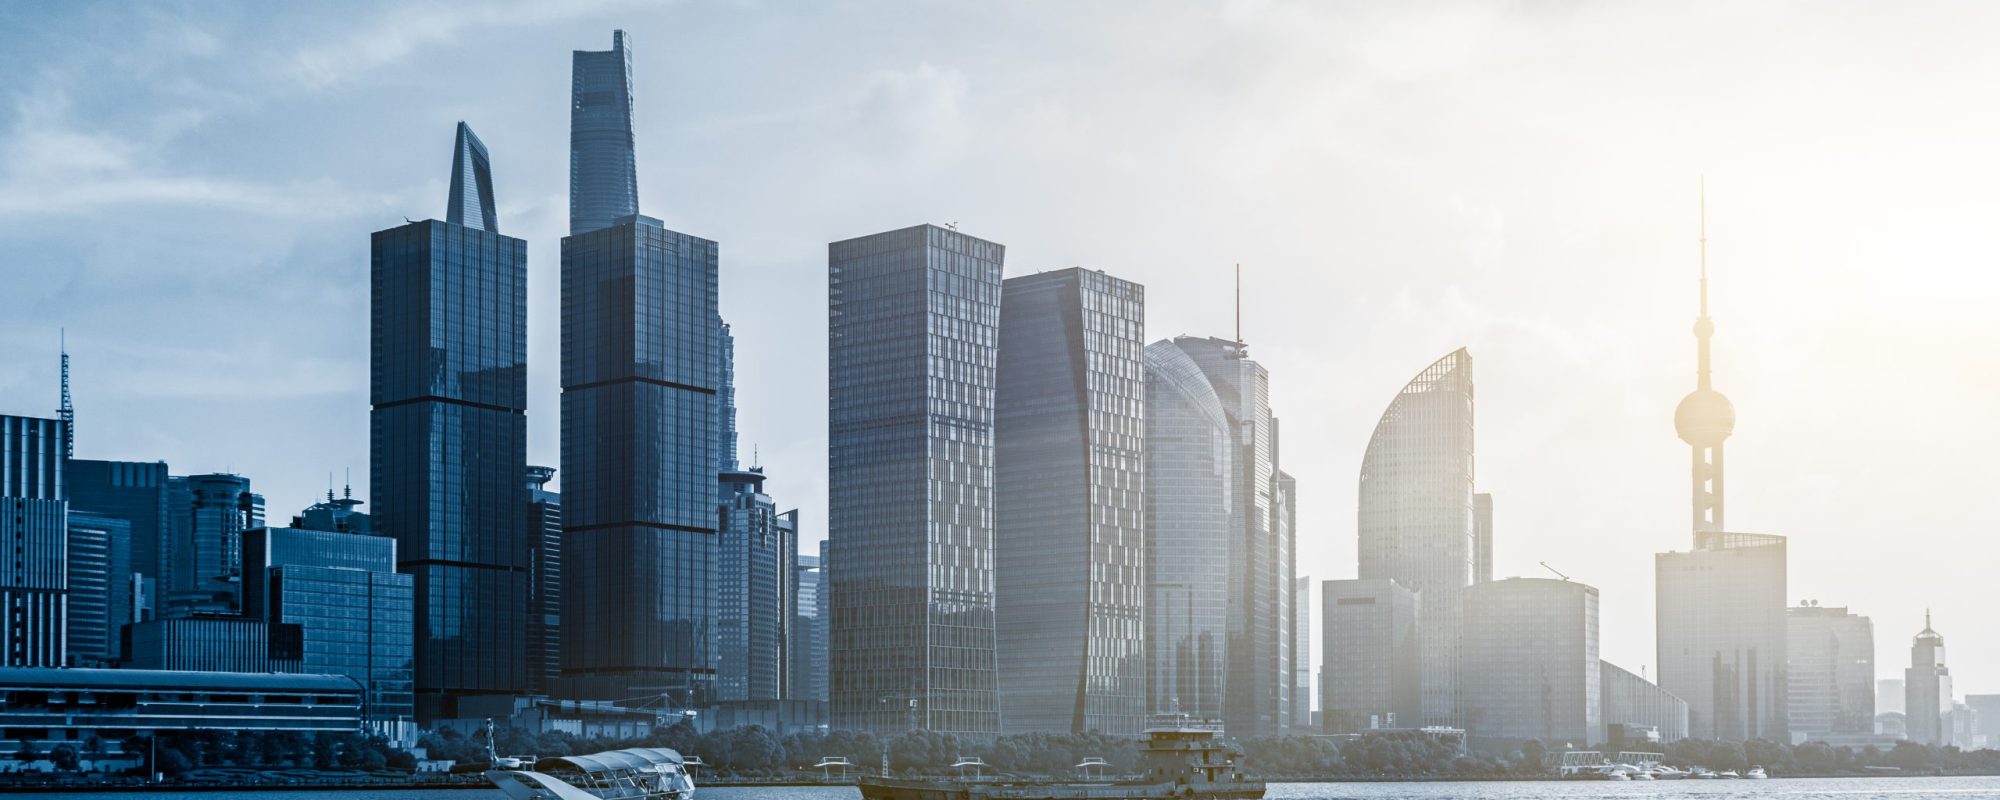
(1829, 672)
(1417, 517)
(448, 430)
(603, 178)
(34, 526)
(914, 340)
(1256, 600)
(808, 648)
(544, 581)
(207, 516)
(756, 556)
(1190, 457)
(1069, 538)
(1927, 693)
(134, 491)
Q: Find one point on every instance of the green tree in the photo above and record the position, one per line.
(93, 749)
(64, 757)
(1534, 755)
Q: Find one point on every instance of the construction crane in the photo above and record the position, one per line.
(1545, 565)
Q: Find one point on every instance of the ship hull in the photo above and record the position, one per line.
(890, 789)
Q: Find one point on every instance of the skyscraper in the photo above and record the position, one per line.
(100, 591)
(1927, 690)
(1069, 431)
(207, 516)
(1531, 666)
(136, 492)
(1302, 638)
(640, 417)
(1190, 456)
(755, 558)
(1417, 517)
(34, 526)
(1369, 656)
(448, 435)
(1258, 618)
(808, 649)
(544, 581)
(603, 176)
(913, 344)
(1482, 537)
(1830, 672)
(1721, 606)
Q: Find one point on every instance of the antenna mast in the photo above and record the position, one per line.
(1239, 303)
(66, 412)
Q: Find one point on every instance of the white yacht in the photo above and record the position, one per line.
(639, 773)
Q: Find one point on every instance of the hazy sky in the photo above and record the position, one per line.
(189, 189)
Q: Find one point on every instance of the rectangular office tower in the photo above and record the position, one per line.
(352, 609)
(1369, 660)
(136, 492)
(1721, 611)
(448, 435)
(1830, 672)
(1531, 667)
(34, 522)
(640, 378)
(756, 563)
(1069, 511)
(100, 587)
(913, 347)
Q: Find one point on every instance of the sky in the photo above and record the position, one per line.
(188, 188)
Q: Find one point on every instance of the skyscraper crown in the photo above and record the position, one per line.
(471, 174)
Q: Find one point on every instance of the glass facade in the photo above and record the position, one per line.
(134, 491)
(1531, 666)
(100, 589)
(1829, 672)
(913, 341)
(1302, 639)
(1927, 693)
(603, 177)
(1721, 635)
(214, 644)
(207, 515)
(471, 183)
(808, 650)
(1416, 516)
(755, 560)
(1368, 643)
(1069, 555)
(448, 449)
(51, 707)
(1189, 505)
(544, 582)
(640, 355)
(354, 611)
(1631, 701)
(34, 526)
(1256, 696)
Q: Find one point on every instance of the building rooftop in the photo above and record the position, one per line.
(43, 678)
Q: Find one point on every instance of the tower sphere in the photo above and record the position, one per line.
(1704, 418)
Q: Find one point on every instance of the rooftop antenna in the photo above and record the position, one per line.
(348, 484)
(1545, 565)
(1239, 303)
(329, 486)
(66, 412)
(952, 226)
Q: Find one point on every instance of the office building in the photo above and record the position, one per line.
(136, 492)
(1721, 629)
(755, 562)
(1632, 703)
(337, 514)
(354, 612)
(34, 584)
(1985, 710)
(1531, 665)
(1927, 701)
(913, 345)
(214, 644)
(640, 344)
(100, 591)
(544, 651)
(207, 515)
(808, 649)
(1416, 517)
(448, 434)
(1302, 669)
(1482, 537)
(1190, 458)
(1369, 656)
(1258, 602)
(53, 707)
(1830, 672)
(1068, 541)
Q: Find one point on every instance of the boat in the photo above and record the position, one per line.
(1183, 761)
(638, 773)
(1755, 774)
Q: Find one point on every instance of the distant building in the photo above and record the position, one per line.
(1531, 665)
(337, 514)
(1985, 716)
(1892, 723)
(353, 610)
(1888, 696)
(47, 708)
(913, 347)
(1416, 519)
(214, 644)
(1069, 506)
(603, 173)
(136, 492)
(1190, 501)
(755, 558)
(1927, 699)
(808, 650)
(448, 434)
(1255, 563)
(1302, 669)
(544, 653)
(100, 593)
(207, 515)
(1369, 656)
(34, 584)
(1482, 537)
(1830, 672)
(1633, 702)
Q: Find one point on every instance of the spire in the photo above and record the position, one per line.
(66, 412)
(1705, 417)
(471, 176)
(1239, 303)
(1703, 326)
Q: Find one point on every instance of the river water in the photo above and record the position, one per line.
(1797, 789)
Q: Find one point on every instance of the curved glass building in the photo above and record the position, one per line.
(1188, 507)
(1416, 516)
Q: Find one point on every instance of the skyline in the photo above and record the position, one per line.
(1617, 337)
